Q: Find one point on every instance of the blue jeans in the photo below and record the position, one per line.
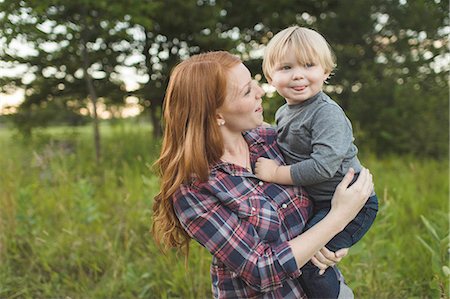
(327, 284)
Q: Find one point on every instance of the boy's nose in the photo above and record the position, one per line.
(297, 74)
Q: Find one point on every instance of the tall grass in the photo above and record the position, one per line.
(390, 261)
(69, 228)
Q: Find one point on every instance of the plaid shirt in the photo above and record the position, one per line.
(246, 225)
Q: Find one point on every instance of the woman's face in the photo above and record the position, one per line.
(242, 109)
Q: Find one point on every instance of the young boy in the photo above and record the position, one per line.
(316, 139)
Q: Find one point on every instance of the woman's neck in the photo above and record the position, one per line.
(236, 150)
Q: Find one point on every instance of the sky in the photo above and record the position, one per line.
(7, 100)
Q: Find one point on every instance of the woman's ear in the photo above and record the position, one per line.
(220, 120)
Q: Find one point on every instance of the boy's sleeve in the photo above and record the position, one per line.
(331, 139)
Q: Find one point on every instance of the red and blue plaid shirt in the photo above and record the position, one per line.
(246, 224)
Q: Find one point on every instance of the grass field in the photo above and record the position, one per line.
(71, 229)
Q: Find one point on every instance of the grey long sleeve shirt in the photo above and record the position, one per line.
(316, 139)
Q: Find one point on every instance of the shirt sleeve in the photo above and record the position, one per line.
(235, 242)
(331, 139)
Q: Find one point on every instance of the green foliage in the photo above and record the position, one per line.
(391, 57)
(404, 118)
(391, 261)
(67, 40)
(54, 113)
(438, 246)
(171, 31)
(70, 229)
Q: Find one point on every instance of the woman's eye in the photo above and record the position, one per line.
(248, 90)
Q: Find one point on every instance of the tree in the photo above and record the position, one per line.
(171, 31)
(391, 84)
(386, 50)
(76, 48)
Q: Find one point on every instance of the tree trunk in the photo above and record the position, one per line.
(155, 102)
(156, 119)
(92, 97)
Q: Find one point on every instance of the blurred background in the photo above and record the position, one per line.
(81, 90)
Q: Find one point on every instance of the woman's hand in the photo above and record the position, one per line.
(326, 258)
(348, 201)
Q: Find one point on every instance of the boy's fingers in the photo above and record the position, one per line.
(321, 258)
(330, 256)
(341, 253)
(318, 264)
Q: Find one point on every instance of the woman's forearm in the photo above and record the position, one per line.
(346, 203)
(308, 243)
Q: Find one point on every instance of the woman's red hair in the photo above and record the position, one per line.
(192, 139)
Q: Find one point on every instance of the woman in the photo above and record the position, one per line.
(213, 137)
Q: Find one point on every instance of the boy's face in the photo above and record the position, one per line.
(296, 82)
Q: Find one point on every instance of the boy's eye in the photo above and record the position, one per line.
(285, 67)
(309, 64)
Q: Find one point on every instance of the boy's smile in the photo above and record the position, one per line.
(299, 88)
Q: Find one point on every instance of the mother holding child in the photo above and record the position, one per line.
(213, 137)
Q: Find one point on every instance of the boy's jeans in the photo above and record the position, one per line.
(327, 284)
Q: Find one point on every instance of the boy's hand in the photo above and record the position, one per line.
(269, 171)
(266, 169)
(326, 258)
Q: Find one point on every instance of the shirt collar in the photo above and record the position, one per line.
(253, 140)
(307, 102)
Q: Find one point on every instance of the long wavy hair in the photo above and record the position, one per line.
(192, 139)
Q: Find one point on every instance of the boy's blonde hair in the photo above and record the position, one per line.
(308, 45)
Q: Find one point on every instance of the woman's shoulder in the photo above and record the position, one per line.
(195, 189)
(189, 189)
(190, 198)
(264, 133)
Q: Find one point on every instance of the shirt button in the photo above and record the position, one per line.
(253, 209)
(284, 206)
(260, 183)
